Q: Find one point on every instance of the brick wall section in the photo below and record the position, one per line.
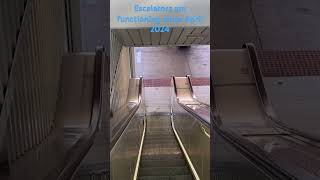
(289, 63)
(200, 81)
(166, 82)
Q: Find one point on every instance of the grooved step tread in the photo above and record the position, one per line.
(160, 171)
(178, 177)
(162, 158)
(158, 141)
(160, 150)
(165, 144)
(157, 131)
(160, 136)
(162, 163)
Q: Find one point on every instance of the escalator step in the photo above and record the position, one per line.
(162, 163)
(178, 177)
(161, 139)
(181, 177)
(160, 145)
(154, 178)
(149, 140)
(160, 171)
(162, 157)
(160, 136)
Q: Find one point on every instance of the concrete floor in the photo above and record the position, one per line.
(270, 24)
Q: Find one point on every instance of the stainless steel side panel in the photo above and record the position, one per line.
(194, 135)
(124, 153)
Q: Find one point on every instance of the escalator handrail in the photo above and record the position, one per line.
(193, 95)
(129, 116)
(255, 65)
(188, 109)
(83, 145)
(251, 152)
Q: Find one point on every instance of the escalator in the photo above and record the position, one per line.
(227, 159)
(242, 114)
(161, 156)
(167, 146)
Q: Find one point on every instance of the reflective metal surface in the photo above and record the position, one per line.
(123, 115)
(162, 157)
(186, 98)
(228, 163)
(125, 150)
(239, 110)
(193, 130)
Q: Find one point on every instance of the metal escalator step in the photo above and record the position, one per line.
(99, 176)
(160, 129)
(154, 178)
(158, 149)
(162, 157)
(178, 177)
(164, 143)
(160, 171)
(160, 136)
(160, 133)
(181, 177)
(160, 142)
(148, 140)
(162, 163)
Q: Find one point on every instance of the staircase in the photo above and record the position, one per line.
(162, 158)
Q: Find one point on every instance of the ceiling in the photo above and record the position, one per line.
(178, 36)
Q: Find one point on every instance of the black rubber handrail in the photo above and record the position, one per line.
(264, 98)
(83, 145)
(129, 116)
